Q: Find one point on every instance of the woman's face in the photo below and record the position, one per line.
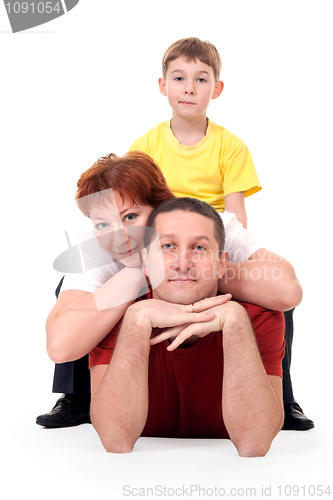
(120, 227)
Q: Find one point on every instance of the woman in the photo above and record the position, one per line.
(115, 193)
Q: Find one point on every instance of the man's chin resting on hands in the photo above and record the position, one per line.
(186, 362)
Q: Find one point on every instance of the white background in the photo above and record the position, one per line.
(85, 85)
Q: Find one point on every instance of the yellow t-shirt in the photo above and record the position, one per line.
(216, 166)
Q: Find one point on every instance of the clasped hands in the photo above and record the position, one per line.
(180, 322)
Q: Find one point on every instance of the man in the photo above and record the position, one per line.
(199, 373)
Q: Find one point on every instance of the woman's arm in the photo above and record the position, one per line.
(77, 322)
(266, 279)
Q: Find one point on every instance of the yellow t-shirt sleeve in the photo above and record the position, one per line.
(237, 168)
(140, 145)
(134, 147)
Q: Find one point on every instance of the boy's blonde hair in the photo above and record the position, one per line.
(192, 49)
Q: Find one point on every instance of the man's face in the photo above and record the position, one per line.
(189, 86)
(191, 258)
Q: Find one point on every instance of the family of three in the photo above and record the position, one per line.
(156, 392)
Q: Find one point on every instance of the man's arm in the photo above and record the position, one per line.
(120, 391)
(120, 405)
(252, 404)
(266, 279)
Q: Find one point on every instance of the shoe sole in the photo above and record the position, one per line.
(304, 427)
(51, 425)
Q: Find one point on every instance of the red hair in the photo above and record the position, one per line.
(134, 176)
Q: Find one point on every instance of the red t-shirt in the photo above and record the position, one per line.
(185, 385)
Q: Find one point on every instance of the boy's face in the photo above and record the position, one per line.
(189, 87)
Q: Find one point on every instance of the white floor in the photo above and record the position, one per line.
(71, 463)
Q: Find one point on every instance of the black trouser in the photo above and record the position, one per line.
(288, 396)
(74, 377)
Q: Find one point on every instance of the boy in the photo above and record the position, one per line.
(203, 160)
(199, 158)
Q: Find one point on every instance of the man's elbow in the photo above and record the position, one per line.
(252, 450)
(257, 444)
(117, 446)
(113, 439)
(252, 446)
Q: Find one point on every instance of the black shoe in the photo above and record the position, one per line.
(294, 418)
(68, 411)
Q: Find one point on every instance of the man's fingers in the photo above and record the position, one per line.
(184, 335)
(199, 317)
(204, 304)
(170, 332)
(185, 320)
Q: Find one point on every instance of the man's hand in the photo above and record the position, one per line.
(226, 311)
(162, 314)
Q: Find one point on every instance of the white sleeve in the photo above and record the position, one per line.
(89, 281)
(239, 243)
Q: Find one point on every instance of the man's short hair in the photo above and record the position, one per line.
(187, 204)
(192, 49)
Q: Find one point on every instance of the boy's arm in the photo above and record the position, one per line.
(235, 203)
(265, 279)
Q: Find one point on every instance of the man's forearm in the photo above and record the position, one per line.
(251, 410)
(119, 408)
